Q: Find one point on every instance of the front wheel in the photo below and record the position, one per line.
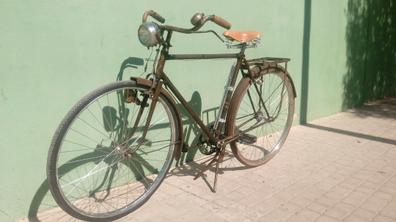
(100, 165)
(261, 113)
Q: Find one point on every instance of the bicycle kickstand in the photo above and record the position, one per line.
(218, 158)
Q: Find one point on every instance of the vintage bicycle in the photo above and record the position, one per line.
(115, 146)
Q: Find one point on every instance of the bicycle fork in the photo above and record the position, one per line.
(154, 94)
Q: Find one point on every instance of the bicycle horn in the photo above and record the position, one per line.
(197, 18)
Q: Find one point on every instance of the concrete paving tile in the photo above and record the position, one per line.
(317, 207)
(326, 219)
(362, 214)
(390, 210)
(301, 201)
(381, 218)
(355, 198)
(340, 210)
(303, 216)
(280, 213)
(326, 201)
(374, 204)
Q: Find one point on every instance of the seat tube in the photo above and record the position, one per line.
(228, 92)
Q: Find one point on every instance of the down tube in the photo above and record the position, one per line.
(197, 119)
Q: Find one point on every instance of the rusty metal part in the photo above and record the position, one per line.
(217, 158)
(154, 100)
(179, 136)
(130, 96)
(153, 14)
(263, 65)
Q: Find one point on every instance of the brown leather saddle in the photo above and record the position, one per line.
(242, 36)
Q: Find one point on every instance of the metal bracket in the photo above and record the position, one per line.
(251, 44)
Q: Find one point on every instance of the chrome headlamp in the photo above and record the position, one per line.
(149, 34)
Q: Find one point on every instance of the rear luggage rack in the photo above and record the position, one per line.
(267, 61)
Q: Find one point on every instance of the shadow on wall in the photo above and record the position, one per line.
(43, 200)
(371, 51)
(305, 62)
(191, 131)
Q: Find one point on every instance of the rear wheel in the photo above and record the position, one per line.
(100, 167)
(261, 113)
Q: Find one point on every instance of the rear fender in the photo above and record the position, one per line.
(273, 67)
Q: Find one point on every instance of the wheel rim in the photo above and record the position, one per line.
(263, 129)
(112, 174)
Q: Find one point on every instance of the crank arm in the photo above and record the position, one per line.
(258, 125)
(229, 139)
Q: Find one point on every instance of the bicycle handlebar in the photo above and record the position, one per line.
(153, 14)
(203, 19)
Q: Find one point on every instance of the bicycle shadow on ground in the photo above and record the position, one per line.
(382, 109)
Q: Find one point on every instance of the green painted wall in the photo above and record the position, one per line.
(326, 58)
(352, 54)
(53, 52)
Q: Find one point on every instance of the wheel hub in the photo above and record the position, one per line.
(124, 151)
(259, 116)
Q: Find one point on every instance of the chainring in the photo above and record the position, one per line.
(204, 146)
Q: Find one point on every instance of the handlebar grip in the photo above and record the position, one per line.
(153, 14)
(158, 17)
(220, 21)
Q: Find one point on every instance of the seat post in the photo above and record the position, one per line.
(243, 48)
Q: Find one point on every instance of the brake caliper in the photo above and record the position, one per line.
(130, 96)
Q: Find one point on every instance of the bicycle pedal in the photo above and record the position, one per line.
(245, 138)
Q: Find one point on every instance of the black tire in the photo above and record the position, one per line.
(254, 148)
(117, 150)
